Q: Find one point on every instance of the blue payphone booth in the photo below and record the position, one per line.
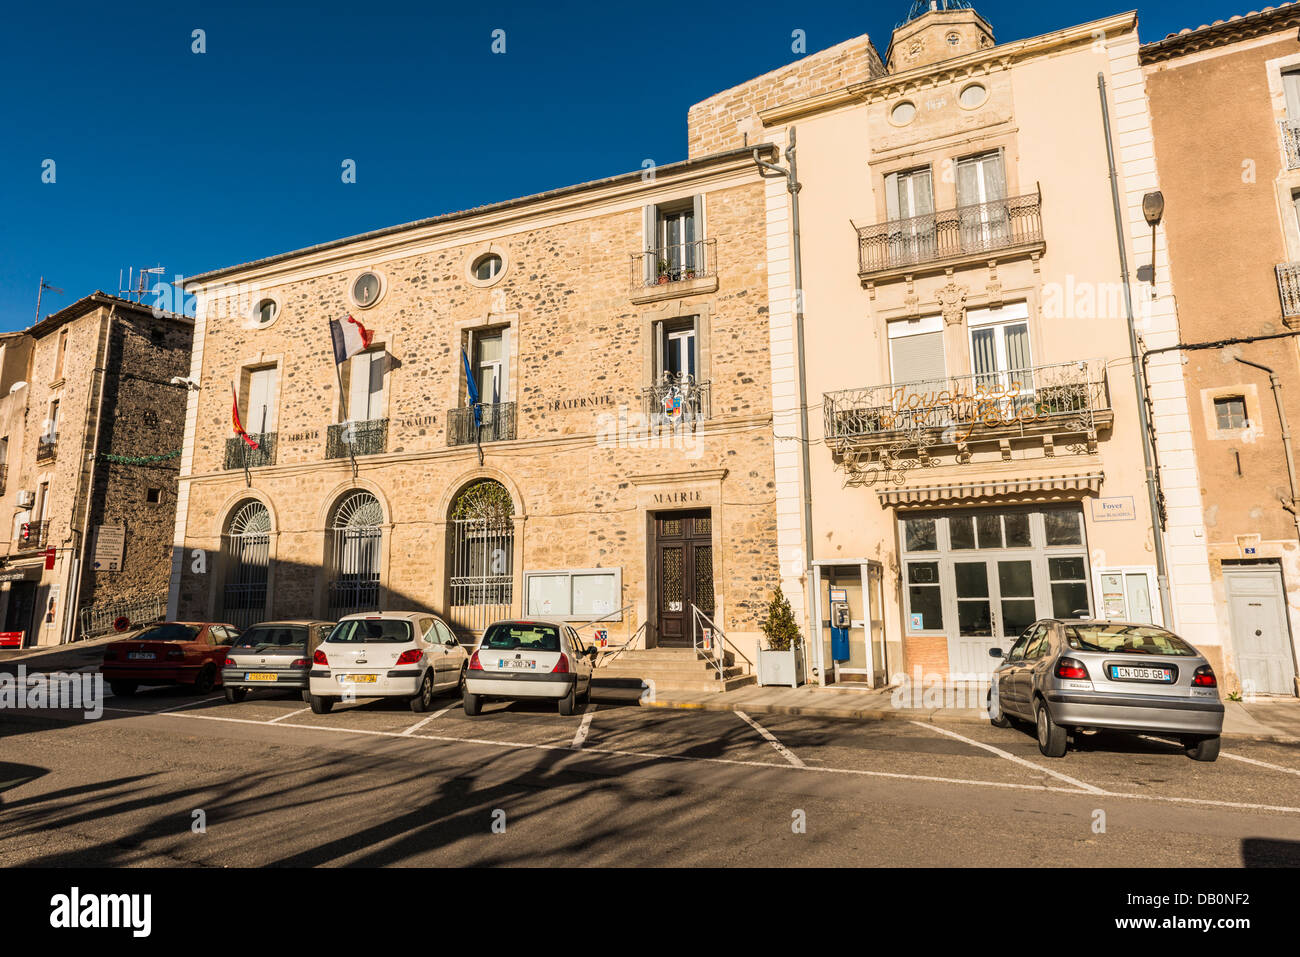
(839, 624)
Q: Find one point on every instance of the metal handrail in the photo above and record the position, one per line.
(719, 659)
(678, 262)
(623, 647)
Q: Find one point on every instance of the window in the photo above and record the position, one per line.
(364, 630)
(365, 382)
(674, 240)
(266, 312)
(42, 500)
(1125, 594)
(909, 193)
(63, 351)
(920, 534)
(903, 113)
(153, 496)
(522, 636)
(366, 289)
(1069, 582)
(584, 594)
(157, 335)
(487, 267)
(490, 367)
(1291, 87)
(1112, 638)
(677, 350)
(443, 632)
(52, 427)
(1063, 526)
(999, 345)
(261, 399)
(981, 178)
(924, 598)
(1230, 412)
(972, 96)
(916, 350)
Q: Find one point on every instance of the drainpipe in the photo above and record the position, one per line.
(791, 173)
(1276, 385)
(1148, 456)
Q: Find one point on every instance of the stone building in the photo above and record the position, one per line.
(90, 436)
(975, 447)
(620, 474)
(1225, 105)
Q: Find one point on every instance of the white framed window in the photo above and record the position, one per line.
(981, 178)
(673, 233)
(367, 288)
(574, 595)
(366, 380)
(999, 347)
(489, 352)
(679, 351)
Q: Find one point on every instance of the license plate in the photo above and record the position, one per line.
(1136, 673)
(141, 655)
(359, 679)
(260, 676)
(504, 663)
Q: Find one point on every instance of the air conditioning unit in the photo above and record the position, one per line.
(26, 498)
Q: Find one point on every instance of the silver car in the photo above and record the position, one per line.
(1072, 676)
(272, 654)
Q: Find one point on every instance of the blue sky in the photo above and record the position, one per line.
(195, 162)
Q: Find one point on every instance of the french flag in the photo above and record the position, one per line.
(350, 337)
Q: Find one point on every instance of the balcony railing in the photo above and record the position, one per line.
(678, 263)
(1288, 289)
(1291, 142)
(46, 446)
(498, 424)
(33, 534)
(356, 438)
(1068, 397)
(947, 237)
(240, 455)
(677, 402)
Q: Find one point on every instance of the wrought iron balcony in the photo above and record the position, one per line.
(1288, 290)
(1291, 142)
(498, 424)
(33, 534)
(951, 237)
(240, 455)
(682, 262)
(356, 438)
(46, 447)
(677, 402)
(1065, 398)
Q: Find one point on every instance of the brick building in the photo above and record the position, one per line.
(90, 434)
(618, 333)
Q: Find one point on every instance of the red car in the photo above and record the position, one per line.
(171, 652)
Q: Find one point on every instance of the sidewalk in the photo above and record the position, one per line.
(1265, 719)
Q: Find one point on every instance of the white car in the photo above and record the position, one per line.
(520, 659)
(390, 654)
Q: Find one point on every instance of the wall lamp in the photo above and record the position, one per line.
(1153, 209)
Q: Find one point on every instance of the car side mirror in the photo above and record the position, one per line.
(995, 652)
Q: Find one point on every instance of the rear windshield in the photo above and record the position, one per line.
(372, 630)
(171, 632)
(522, 636)
(260, 636)
(1127, 640)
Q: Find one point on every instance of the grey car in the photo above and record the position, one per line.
(273, 654)
(1071, 676)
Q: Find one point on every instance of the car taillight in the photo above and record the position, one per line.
(319, 658)
(1204, 676)
(1071, 668)
(299, 663)
(412, 657)
(561, 666)
(230, 662)
(474, 664)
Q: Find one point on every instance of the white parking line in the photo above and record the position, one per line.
(1013, 758)
(734, 762)
(1262, 764)
(771, 739)
(420, 724)
(187, 704)
(580, 738)
(289, 715)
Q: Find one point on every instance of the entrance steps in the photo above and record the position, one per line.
(674, 669)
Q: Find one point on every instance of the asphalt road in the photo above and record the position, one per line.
(372, 784)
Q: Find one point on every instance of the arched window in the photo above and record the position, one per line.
(247, 548)
(356, 538)
(481, 539)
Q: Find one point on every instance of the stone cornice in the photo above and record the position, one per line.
(1221, 34)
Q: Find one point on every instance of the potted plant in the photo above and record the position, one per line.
(781, 661)
(663, 272)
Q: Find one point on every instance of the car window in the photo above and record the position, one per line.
(170, 632)
(444, 633)
(522, 636)
(373, 630)
(427, 632)
(575, 642)
(260, 636)
(1120, 639)
(1018, 649)
(1040, 644)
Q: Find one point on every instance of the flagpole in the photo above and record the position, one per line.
(338, 375)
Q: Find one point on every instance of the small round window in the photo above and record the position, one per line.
(903, 112)
(265, 312)
(366, 289)
(487, 267)
(973, 95)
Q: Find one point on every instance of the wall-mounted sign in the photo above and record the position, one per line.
(674, 498)
(109, 542)
(311, 435)
(50, 554)
(418, 422)
(918, 621)
(1118, 509)
(578, 402)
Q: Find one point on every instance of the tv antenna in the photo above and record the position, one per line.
(137, 281)
(40, 289)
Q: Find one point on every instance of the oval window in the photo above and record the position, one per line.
(365, 291)
(265, 312)
(903, 112)
(487, 267)
(973, 95)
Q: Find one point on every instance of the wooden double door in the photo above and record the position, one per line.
(683, 573)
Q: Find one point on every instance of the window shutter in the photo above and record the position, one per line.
(375, 406)
(359, 388)
(891, 196)
(650, 244)
(917, 358)
(505, 365)
(658, 330)
(1291, 86)
(922, 192)
(968, 186)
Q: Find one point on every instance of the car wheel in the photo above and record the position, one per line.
(460, 685)
(321, 705)
(1052, 738)
(569, 703)
(1202, 749)
(236, 695)
(473, 703)
(997, 717)
(123, 689)
(205, 681)
(423, 699)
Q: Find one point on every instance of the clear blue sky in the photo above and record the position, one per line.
(195, 162)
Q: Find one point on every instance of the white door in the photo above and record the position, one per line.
(1261, 639)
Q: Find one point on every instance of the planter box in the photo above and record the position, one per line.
(780, 667)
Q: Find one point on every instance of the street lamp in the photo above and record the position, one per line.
(1153, 208)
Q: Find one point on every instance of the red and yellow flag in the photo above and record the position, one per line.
(234, 419)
